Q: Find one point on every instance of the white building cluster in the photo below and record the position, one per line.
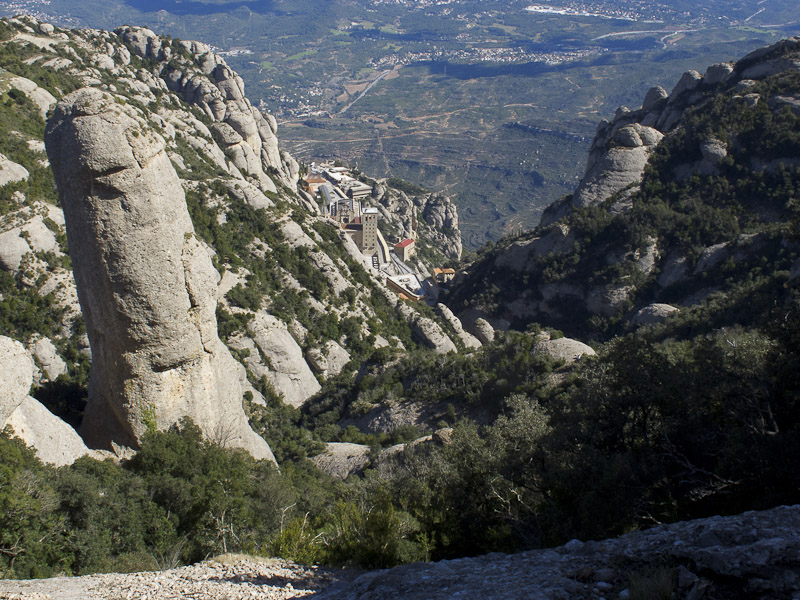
(340, 196)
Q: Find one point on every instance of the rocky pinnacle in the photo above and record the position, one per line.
(146, 285)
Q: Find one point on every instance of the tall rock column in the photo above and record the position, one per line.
(146, 286)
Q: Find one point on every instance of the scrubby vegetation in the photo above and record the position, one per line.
(650, 431)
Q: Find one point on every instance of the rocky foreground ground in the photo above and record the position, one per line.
(755, 556)
(227, 578)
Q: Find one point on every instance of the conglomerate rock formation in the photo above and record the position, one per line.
(146, 285)
(55, 442)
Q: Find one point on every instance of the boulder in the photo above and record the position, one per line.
(54, 440)
(675, 269)
(146, 285)
(337, 358)
(12, 248)
(483, 330)
(427, 331)
(30, 236)
(244, 190)
(718, 73)
(469, 340)
(654, 96)
(714, 150)
(342, 459)
(317, 361)
(711, 257)
(11, 171)
(652, 314)
(565, 349)
(43, 99)
(46, 355)
(606, 300)
(689, 81)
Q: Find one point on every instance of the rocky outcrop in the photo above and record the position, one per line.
(621, 146)
(427, 331)
(17, 376)
(466, 338)
(55, 442)
(31, 236)
(575, 273)
(43, 99)
(652, 314)
(342, 459)
(245, 135)
(11, 171)
(521, 256)
(146, 286)
(616, 161)
(328, 361)
(607, 300)
(483, 330)
(273, 353)
(564, 349)
(391, 414)
(754, 555)
(432, 216)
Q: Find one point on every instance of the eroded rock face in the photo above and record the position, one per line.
(146, 286)
(17, 375)
(613, 169)
(275, 354)
(54, 440)
(246, 136)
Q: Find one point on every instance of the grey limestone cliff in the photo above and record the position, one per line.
(147, 287)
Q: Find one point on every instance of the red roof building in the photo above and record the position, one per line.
(404, 249)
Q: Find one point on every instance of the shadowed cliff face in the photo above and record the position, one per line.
(146, 286)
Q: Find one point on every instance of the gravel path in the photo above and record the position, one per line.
(226, 578)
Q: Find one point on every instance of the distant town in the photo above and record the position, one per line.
(340, 195)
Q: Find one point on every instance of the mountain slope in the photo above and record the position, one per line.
(666, 225)
(298, 299)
